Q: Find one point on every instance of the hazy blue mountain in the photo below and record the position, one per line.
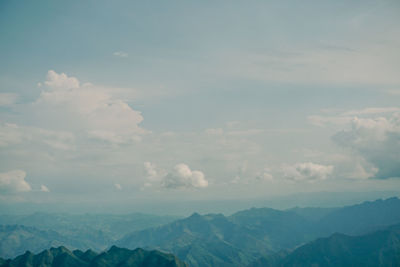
(362, 218)
(313, 213)
(207, 240)
(16, 239)
(110, 225)
(200, 240)
(381, 248)
(95, 231)
(282, 229)
(61, 256)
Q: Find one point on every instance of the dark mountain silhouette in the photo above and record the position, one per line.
(61, 256)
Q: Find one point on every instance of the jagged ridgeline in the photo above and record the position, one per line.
(368, 233)
(62, 257)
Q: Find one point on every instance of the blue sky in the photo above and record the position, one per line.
(197, 100)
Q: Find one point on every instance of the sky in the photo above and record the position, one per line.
(138, 103)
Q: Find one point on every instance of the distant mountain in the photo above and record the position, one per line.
(208, 240)
(213, 239)
(40, 231)
(200, 240)
(99, 227)
(16, 239)
(312, 213)
(362, 218)
(380, 248)
(115, 256)
(282, 229)
(216, 240)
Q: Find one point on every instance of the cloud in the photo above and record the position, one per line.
(13, 182)
(44, 188)
(7, 99)
(87, 108)
(13, 134)
(183, 177)
(61, 81)
(369, 111)
(151, 171)
(329, 120)
(120, 54)
(180, 177)
(118, 186)
(372, 138)
(307, 171)
(265, 175)
(377, 140)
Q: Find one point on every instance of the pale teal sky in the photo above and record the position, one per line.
(197, 100)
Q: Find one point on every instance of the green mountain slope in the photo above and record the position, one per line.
(62, 257)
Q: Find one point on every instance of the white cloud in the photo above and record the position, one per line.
(371, 134)
(376, 139)
(68, 104)
(61, 81)
(307, 171)
(44, 188)
(13, 182)
(151, 171)
(120, 54)
(7, 99)
(265, 175)
(329, 120)
(118, 186)
(183, 177)
(369, 111)
(13, 134)
(179, 178)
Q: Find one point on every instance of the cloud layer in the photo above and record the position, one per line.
(307, 171)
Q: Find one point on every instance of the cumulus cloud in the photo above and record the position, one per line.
(67, 104)
(7, 99)
(370, 135)
(307, 171)
(61, 81)
(13, 182)
(179, 178)
(183, 177)
(44, 188)
(377, 140)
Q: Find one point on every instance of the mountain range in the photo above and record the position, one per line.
(240, 239)
(39, 230)
(61, 256)
(379, 248)
(249, 237)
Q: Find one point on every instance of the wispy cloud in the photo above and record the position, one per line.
(121, 54)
